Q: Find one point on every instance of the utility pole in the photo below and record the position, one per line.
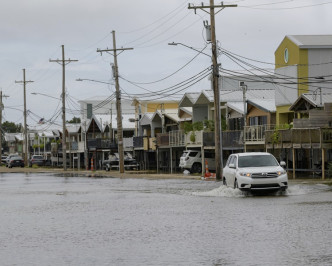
(215, 79)
(244, 91)
(118, 100)
(1, 108)
(26, 144)
(63, 62)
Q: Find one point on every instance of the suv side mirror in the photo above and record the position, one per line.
(282, 164)
(231, 165)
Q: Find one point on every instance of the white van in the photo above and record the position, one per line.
(192, 160)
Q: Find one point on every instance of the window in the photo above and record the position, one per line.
(257, 120)
(232, 160)
(209, 155)
(193, 154)
(257, 161)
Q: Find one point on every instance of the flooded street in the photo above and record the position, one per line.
(53, 220)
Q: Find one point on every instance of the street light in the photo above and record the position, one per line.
(46, 95)
(192, 48)
(104, 82)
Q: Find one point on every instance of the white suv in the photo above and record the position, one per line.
(255, 171)
(192, 160)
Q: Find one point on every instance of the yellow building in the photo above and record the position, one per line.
(301, 63)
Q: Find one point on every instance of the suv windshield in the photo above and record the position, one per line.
(257, 161)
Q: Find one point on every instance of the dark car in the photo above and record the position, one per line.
(9, 157)
(113, 162)
(16, 161)
(37, 160)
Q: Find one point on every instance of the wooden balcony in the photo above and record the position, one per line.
(297, 138)
(128, 144)
(75, 146)
(138, 142)
(174, 138)
(254, 135)
(232, 140)
(194, 139)
(98, 144)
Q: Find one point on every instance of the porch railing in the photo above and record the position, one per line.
(299, 137)
(254, 133)
(138, 142)
(175, 138)
(101, 144)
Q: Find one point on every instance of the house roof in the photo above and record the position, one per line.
(172, 114)
(73, 128)
(146, 119)
(188, 110)
(311, 41)
(103, 121)
(10, 137)
(188, 99)
(47, 134)
(267, 105)
(237, 106)
(310, 100)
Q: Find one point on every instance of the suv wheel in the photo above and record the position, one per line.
(196, 168)
(236, 185)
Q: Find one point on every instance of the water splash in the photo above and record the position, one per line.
(222, 191)
(303, 189)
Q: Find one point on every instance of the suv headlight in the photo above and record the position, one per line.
(245, 174)
(281, 172)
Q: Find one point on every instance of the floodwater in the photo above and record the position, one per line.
(52, 220)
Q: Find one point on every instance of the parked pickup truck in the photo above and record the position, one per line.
(113, 162)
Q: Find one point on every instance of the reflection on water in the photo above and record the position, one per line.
(53, 220)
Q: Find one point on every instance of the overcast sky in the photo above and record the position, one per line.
(32, 32)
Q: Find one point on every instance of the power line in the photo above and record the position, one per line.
(168, 76)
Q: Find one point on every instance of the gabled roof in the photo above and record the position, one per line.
(204, 97)
(189, 98)
(146, 119)
(236, 106)
(103, 121)
(232, 96)
(73, 128)
(47, 134)
(310, 100)
(187, 110)
(267, 105)
(171, 114)
(10, 137)
(311, 41)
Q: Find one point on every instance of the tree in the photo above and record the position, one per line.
(10, 127)
(74, 120)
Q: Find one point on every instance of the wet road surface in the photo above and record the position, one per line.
(53, 220)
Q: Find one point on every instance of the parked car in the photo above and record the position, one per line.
(255, 171)
(191, 160)
(113, 162)
(37, 160)
(4, 159)
(16, 161)
(9, 157)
